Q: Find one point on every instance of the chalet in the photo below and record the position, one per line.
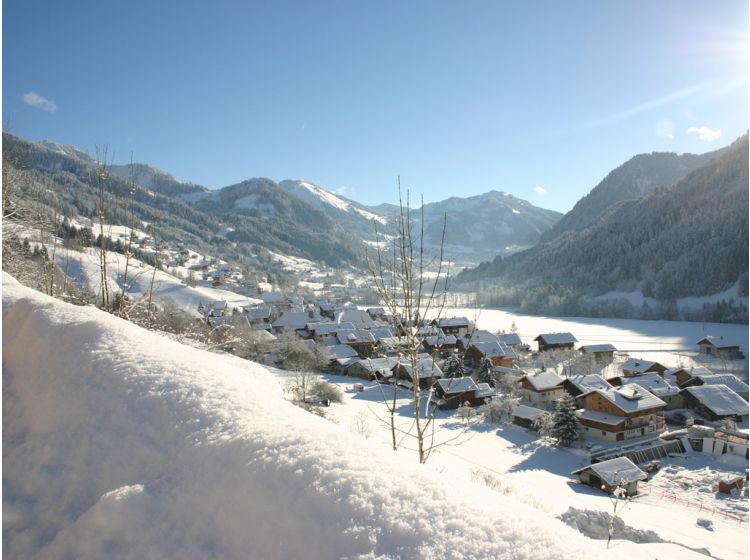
(721, 347)
(637, 367)
(526, 415)
(379, 369)
(295, 321)
(556, 341)
(376, 313)
(342, 365)
(427, 371)
(496, 352)
(359, 318)
(213, 308)
(326, 329)
(381, 332)
(654, 384)
(259, 314)
(602, 353)
(511, 340)
(327, 310)
(339, 351)
(578, 385)
(441, 342)
(715, 402)
(696, 379)
(613, 473)
(683, 375)
(458, 326)
(360, 339)
(453, 393)
(476, 336)
(542, 389)
(619, 414)
(391, 345)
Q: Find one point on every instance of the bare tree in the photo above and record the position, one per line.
(101, 175)
(402, 282)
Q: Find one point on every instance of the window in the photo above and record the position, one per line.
(604, 433)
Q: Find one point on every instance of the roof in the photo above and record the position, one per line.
(586, 383)
(631, 398)
(354, 336)
(453, 322)
(254, 313)
(440, 340)
(457, 385)
(731, 381)
(378, 364)
(511, 339)
(484, 390)
(545, 380)
(527, 412)
(601, 417)
(639, 366)
(375, 311)
(718, 342)
(328, 327)
(491, 349)
(360, 318)
(426, 367)
(653, 383)
(381, 332)
(557, 338)
(272, 297)
(620, 470)
(297, 320)
(340, 351)
(480, 336)
(594, 348)
(719, 399)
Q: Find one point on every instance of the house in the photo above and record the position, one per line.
(542, 389)
(391, 345)
(578, 385)
(456, 392)
(619, 414)
(372, 368)
(296, 321)
(326, 329)
(259, 314)
(439, 341)
(555, 341)
(495, 352)
(511, 340)
(636, 366)
(458, 326)
(340, 351)
(376, 313)
(696, 379)
(715, 402)
(654, 384)
(613, 473)
(359, 318)
(525, 416)
(476, 336)
(721, 347)
(360, 339)
(213, 308)
(427, 371)
(602, 353)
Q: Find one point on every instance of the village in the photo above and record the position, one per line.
(629, 412)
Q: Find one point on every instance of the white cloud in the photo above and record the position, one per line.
(33, 99)
(665, 129)
(343, 190)
(704, 133)
(540, 189)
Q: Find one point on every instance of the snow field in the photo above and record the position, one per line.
(121, 443)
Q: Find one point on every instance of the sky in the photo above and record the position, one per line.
(540, 99)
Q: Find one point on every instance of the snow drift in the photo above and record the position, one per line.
(119, 443)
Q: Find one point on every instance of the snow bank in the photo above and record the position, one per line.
(119, 443)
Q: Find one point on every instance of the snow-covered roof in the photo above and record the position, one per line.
(511, 339)
(718, 342)
(586, 383)
(595, 348)
(719, 399)
(544, 380)
(639, 366)
(360, 318)
(491, 349)
(441, 340)
(527, 412)
(480, 336)
(631, 398)
(272, 297)
(653, 383)
(355, 336)
(484, 390)
(324, 328)
(297, 320)
(620, 470)
(457, 385)
(453, 322)
(426, 367)
(557, 338)
(600, 417)
(375, 311)
(731, 381)
(381, 332)
(378, 364)
(255, 313)
(340, 351)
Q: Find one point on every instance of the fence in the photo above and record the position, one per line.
(710, 510)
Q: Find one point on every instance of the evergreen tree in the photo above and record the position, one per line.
(454, 367)
(486, 373)
(565, 423)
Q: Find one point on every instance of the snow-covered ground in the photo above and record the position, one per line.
(121, 443)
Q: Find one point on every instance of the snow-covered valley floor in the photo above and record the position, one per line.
(121, 443)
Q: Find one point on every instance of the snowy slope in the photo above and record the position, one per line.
(323, 199)
(119, 443)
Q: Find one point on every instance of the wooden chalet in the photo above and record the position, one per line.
(602, 353)
(360, 339)
(606, 476)
(721, 347)
(715, 402)
(457, 326)
(555, 341)
(427, 371)
(697, 378)
(542, 389)
(496, 352)
(636, 366)
(459, 391)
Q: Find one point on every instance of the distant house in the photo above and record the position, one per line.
(427, 371)
(372, 368)
(458, 326)
(525, 416)
(715, 402)
(635, 366)
(511, 340)
(542, 389)
(359, 318)
(476, 336)
(360, 339)
(295, 321)
(392, 345)
(496, 352)
(259, 314)
(326, 329)
(440, 341)
(578, 385)
(721, 347)
(619, 414)
(555, 341)
(611, 474)
(698, 378)
(456, 392)
(602, 353)
(376, 313)
(213, 308)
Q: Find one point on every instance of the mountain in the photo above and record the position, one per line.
(685, 239)
(633, 179)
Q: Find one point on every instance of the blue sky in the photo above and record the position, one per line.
(539, 99)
